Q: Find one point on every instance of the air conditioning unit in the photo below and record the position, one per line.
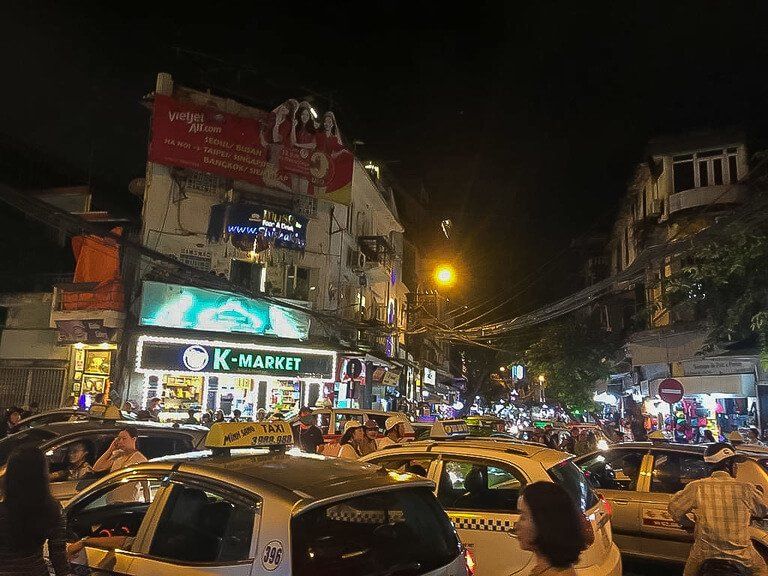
(357, 260)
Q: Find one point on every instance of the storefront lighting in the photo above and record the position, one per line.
(313, 112)
(425, 393)
(79, 346)
(458, 405)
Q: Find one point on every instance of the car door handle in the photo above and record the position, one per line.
(621, 502)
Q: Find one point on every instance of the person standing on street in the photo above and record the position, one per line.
(191, 417)
(236, 416)
(551, 527)
(753, 437)
(30, 516)
(121, 454)
(154, 406)
(723, 508)
(308, 437)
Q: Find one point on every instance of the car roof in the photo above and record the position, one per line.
(546, 456)
(64, 428)
(697, 448)
(293, 475)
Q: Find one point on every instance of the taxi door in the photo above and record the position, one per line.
(200, 528)
(617, 475)
(480, 497)
(671, 471)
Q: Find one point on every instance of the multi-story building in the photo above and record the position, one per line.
(288, 292)
(681, 189)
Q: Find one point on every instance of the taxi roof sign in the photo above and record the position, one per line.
(105, 411)
(443, 429)
(227, 435)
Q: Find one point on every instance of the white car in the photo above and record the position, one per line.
(262, 511)
(478, 482)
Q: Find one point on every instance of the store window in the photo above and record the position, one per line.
(180, 393)
(198, 525)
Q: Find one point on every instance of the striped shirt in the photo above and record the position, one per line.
(724, 508)
(15, 562)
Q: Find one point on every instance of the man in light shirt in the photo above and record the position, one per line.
(122, 453)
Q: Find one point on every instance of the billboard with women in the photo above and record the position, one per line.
(291, 148)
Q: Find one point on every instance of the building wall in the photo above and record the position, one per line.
(26, 334)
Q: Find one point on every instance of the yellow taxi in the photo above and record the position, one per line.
(249, 505)
(478, 482)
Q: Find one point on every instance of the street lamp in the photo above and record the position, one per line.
(502, 368)
(542, 379)
(445, 275)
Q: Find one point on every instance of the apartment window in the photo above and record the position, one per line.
(247, 274)
(708, 168)
(297, 283)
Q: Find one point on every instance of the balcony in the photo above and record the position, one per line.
(705, 196)
(379, 257)
(89, 301)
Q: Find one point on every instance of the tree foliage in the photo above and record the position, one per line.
(572, 357)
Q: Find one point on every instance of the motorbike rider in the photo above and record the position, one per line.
(724, 508)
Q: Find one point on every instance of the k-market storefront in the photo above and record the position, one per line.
(226, 375)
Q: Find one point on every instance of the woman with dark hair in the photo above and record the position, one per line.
(551, 527)
(29, 516)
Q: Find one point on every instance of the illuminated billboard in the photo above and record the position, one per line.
(190, 308)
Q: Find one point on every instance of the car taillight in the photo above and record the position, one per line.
(469, 559)
(607, 506)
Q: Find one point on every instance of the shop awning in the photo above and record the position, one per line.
(731, 385)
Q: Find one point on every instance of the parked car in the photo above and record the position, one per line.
(264, 512)
(478, 482)
(639, 479)
(57, 439)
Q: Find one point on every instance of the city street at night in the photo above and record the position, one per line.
(410, 289)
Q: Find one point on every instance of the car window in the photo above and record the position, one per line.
(568, 476)
(401, 531)
(415, 464)
(199, 525)
(467, 484)
(116, 509)
(613, 469)
(163, 445)
(673, 471)
(28, 437)
(343, 417)
(73, 460)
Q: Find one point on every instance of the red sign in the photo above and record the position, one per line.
(285, 149)
(671, 391)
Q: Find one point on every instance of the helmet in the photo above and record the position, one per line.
(349, 427)
(718, 452)
(735, 437)
(393, 421)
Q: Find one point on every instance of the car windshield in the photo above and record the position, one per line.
(402, 532)
(569, 477)
(28, 437)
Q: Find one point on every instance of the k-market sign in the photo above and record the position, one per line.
(217, 358)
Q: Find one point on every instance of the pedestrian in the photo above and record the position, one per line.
(394, 430)
(370, 443)
(77, 466)
(352, 440)
(724, 508)
(70, 402)
(155, 406)
(30, 516)
(551, 527)
(219, 416)
(191, 417)
(122, 452)
(236, 416)
(206, 419)
(128, 407)
(708, 437)
(753, 437)
(261, 415)
(308, 436)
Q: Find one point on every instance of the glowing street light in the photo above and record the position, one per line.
(445, 275)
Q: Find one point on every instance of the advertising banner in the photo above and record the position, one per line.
(286, 149)
(205, 357)
(83, 331)
(190, 308)
(254, 227)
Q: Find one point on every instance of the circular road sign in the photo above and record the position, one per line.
(671, 391)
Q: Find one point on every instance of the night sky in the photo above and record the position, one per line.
(522, 122)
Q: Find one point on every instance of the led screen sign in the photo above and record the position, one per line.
(255, 227)
(186, 307)
(206, 357)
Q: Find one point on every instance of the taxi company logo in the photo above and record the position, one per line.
(195, 358)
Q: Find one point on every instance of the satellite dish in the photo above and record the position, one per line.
(136, 187)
